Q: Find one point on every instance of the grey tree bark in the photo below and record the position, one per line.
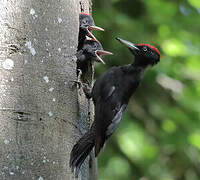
(40, 110)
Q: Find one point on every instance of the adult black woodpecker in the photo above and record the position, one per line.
(111, 93)
(91, 50)
(86, 25)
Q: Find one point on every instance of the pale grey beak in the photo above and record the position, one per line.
(128, 44)
(100, 53)
(95, 28)
(91, 35)
(92, 28)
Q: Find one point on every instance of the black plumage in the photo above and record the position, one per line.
(91, 50)
(86, 25)
(111, 94)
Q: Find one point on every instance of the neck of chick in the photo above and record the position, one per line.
(82, 61)
(81, 38)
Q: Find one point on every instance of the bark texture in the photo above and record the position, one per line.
(38, 104)
(86, 110)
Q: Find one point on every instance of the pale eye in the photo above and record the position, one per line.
(84, 21)
(95, 45)
(144, 48)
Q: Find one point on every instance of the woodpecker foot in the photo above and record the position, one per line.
(78, 83)
(79, 74)
(86, 89)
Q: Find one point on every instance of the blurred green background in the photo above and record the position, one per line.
(159, 135)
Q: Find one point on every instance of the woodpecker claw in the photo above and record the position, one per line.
(79, 83)
(86, 89)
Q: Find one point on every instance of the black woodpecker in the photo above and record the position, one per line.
(111, 93)
(86, 25)
(91, 50)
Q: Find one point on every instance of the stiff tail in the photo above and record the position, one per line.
(80, 151)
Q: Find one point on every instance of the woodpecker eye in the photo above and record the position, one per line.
(95, 46)
(84, 21)
(144, 48)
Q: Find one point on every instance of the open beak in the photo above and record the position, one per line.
(95, 28)
(91, 35)
(98, 53)
(128, 44)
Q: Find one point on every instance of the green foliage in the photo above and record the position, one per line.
(159, 135)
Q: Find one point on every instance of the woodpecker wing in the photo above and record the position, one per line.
(108, 110)
(115, 121)
(108, 92)
(107, 119)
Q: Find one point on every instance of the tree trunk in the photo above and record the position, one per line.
(38, 105)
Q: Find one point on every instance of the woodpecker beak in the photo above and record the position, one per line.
(91, 28)
(91, 35)
(95, 28)
(98, 53)
(128, 44)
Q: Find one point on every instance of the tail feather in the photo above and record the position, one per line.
(80, 162)
(99, 142)
(80, 151)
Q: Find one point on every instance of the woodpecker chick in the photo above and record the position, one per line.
(86, 25)
(111, 94)
(91, 50)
